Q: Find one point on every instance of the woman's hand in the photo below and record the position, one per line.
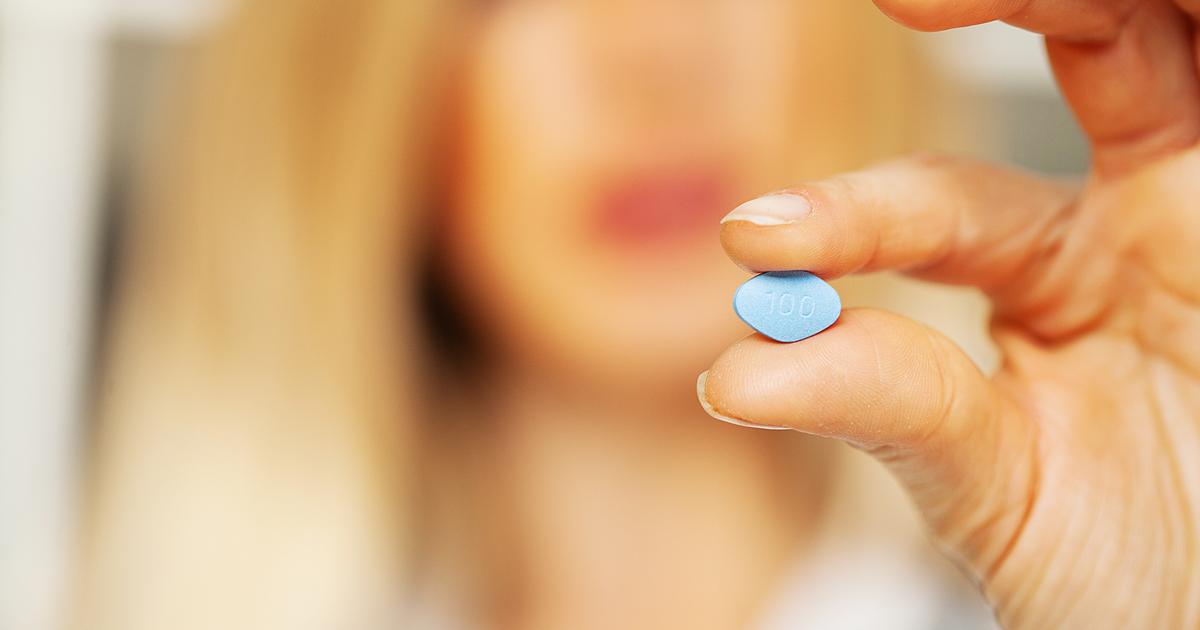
(1069, 482)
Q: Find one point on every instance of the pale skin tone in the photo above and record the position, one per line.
(1069, 482)
(626, 521)
(606, 501)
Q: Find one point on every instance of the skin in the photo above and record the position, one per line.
(591, 435)
(590, 438)
(1069, 482)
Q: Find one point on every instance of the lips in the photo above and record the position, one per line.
(656, 208)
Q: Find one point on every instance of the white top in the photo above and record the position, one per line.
(846, 587)
(837, 587)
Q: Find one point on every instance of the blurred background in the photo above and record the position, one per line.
(87, 88)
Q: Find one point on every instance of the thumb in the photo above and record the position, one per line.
(906, 395)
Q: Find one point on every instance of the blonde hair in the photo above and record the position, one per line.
(258, 401)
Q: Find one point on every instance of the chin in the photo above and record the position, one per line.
(645, 352)
(603, 320)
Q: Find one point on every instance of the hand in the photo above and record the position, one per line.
(1069, 482)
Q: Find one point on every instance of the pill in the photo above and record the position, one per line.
(787, 305)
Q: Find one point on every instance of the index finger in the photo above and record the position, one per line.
(943, 218)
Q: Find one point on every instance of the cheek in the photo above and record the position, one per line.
(801, 99)
(765, 104)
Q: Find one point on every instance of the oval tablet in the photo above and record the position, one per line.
(787, 305)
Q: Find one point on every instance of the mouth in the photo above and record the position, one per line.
(657, 208)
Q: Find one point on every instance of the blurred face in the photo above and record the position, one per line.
(602, 141)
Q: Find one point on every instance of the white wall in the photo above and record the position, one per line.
(53, 70)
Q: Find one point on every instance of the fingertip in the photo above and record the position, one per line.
(815, 245)
(711, 410)
(767, 383)
(774, 209)
(940, 15)
(921, 15)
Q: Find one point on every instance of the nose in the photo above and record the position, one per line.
(657, 60)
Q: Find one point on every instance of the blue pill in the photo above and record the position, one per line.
(787, 305)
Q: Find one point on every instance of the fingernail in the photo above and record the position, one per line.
(708, 408)
(776, 209)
